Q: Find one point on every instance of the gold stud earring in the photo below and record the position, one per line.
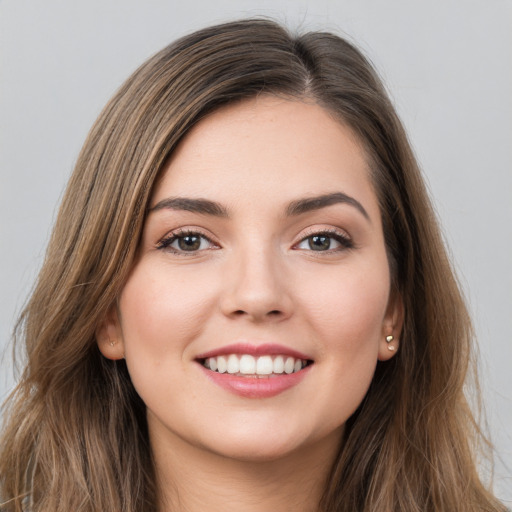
(389, 339)
(113, 342)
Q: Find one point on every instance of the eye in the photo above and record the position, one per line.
(186, 242)
(325, 241)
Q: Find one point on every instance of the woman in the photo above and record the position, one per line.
(246, 303)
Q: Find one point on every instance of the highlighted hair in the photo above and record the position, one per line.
(75, 435)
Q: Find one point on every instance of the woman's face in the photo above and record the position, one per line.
(254, 317)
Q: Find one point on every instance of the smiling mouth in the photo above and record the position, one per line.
(247, 365)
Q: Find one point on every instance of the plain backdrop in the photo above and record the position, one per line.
(447, 65)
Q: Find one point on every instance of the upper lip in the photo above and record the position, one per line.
(265, 349)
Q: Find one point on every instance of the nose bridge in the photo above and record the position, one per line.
(256, 287)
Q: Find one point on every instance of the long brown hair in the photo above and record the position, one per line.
(75, 435)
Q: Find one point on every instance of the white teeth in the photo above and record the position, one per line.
(289, 364)
(247, 364)
(233, 364)
(279, 364)
(222, 364)
(265, 365)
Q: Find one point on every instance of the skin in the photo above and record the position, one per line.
(259, 280)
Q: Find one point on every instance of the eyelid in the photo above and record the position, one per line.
(340, 235)
(165, 242)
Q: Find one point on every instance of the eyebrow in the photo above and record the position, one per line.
(295, 208)
(316, 203)
(203, 206)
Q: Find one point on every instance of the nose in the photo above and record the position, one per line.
(256, 288)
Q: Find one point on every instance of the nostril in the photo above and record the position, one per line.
(241, 312)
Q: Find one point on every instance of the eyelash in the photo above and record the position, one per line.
(342, 238)
(180, 234)
(165, 244)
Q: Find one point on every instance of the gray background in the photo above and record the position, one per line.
(447, 64)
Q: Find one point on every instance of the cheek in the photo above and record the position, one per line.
(347, 307)
(346, 316)
(161, 311)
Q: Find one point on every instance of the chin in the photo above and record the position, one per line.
(272, 444)
(256, 452)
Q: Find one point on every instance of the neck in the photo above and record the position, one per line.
(190, 479)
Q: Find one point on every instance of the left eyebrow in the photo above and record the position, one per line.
(316, 203)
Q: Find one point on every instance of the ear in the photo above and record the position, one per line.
(109, 335)
(391, 327)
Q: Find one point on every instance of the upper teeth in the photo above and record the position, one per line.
(246, 364)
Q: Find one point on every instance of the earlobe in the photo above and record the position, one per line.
(388, 347)
(109, 336)
(392, 328)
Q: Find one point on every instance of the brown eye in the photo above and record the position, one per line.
(187, 242)
(325, 242)
(319, 242)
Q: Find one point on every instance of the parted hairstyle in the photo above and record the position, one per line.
(75, 434)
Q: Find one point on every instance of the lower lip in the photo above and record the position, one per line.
(256, 387)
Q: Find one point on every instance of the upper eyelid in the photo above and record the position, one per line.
(324, 230)
(183, 231)
(340, 235)
(178, 232)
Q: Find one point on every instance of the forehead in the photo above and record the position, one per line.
(267, 147)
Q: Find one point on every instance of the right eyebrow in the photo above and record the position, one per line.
(202, 206)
